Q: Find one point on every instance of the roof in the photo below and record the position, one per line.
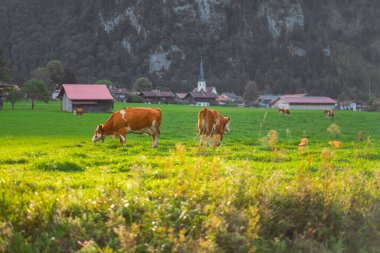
(157, 93)
(306, 100)
(202, 94)
(348, 102)
(86, 92)
(230, 95)
(181, 95)
(120, 91)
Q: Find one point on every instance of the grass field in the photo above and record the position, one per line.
(259, 191)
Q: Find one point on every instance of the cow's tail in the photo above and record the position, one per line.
(202, 115)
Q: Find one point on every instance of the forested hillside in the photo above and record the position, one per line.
(327, 47)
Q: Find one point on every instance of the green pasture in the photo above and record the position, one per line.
(59, 192)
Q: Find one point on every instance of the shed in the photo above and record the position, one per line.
(89, 97)
(304, 102)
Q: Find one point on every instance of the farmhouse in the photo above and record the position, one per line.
(304, 102)
(89, 97)
(121, 94)
(265, 100)
(157, 97)
(350, 105)
(4, 90)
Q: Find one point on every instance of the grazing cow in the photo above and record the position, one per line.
(78, 111)
(329, 114)
(284, 111)
(131, 120)
(210, 124)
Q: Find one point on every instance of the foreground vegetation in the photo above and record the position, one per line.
(260, 191)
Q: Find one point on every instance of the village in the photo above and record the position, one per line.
(101, 97)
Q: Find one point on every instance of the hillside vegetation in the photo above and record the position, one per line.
(321, 47)
(260, 191)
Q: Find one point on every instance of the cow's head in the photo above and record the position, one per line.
(227, 124)
(99, 133)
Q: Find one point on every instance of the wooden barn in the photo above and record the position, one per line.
(89, 97)
(304, 102)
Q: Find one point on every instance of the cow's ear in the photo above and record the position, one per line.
(100, 127)
(228, 119)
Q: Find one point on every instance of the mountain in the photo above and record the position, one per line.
(328, 47)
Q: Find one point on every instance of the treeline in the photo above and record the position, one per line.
(334, 52)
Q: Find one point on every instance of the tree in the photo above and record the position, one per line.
(42, 73)
(57, 72)
(105, 81)
(251, 92)
(36, 89)
(142, 84)
(4, 73)
(14, 96)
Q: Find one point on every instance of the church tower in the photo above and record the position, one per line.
(201, 80)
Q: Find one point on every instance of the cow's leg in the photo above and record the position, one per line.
(122, 139)
(155, 140)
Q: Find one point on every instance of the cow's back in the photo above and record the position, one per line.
(140, 118)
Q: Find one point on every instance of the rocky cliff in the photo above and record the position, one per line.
(328, 47)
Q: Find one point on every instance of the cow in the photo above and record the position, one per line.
(284, 111)
(210, 124)
(329, 114)
(131, 120)
(78, 111)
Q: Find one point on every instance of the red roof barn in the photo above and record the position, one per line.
(89, 97)
(304, 102)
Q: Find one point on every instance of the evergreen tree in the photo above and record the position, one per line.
(4, 73)
(142, 84)
(251, 92)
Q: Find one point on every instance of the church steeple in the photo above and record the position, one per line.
(201, 79)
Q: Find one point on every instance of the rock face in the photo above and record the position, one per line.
(289, 45)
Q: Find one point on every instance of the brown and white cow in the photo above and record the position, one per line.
(210, 124)
(131, 120)
(329, 114)
(78, 111)
(284, 111)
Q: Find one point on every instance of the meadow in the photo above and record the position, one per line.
(259, 192)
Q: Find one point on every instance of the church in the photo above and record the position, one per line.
(202, 95)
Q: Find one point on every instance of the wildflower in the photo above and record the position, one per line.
(303, 142)
(272, 139)
(360, 136)
(335, 144)
(333, 129)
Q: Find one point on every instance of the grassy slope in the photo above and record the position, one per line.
(57, 184)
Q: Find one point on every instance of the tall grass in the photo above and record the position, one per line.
(59, 192)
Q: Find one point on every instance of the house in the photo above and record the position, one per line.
(4, 91)
(232, 97)
(201, 98)
(121, 94)
(265, 100)
(350, 105)
(89, 97)
(304, 102)
(157, 97)
(54, 94)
